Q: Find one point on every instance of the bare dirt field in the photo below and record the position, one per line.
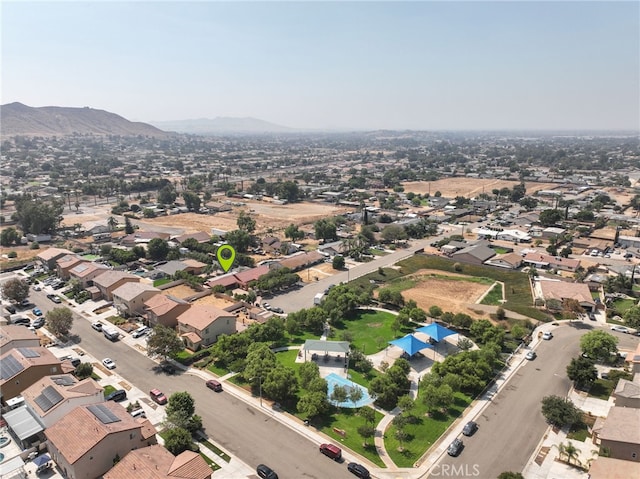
(181, 291)
(211, 300)
(316, 272)
(267, 215)
(468, 187)
(450, 295)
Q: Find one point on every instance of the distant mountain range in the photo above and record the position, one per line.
(219, 125)
(19, 119)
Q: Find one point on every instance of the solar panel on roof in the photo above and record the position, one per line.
(9, 367)
(48, 398)
(28, 353)
(63, 380)
(103, 413)
(80, 268)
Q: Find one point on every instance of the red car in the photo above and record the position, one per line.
(158, 396)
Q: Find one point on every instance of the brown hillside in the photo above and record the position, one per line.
(19, 119)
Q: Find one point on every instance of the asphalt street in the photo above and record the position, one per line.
(249, 434)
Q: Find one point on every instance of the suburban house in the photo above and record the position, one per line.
(200, 237)
(228, 281)
(109, 280)
(130, 298)
(155, 462)
(474, 254)
(633, 360)
(253, 274)
(627, 393)
(13, 337)
(201, 325)
(302, 260)
(164, 310)
(546, 261)
(49, 256)
(188, 265)
(554, 293)
(620, 434)
(88, 440)
(142, 237)
(64, 265)
(22, 367)
(609, 468)
(86, 272)
(508, 261)
(53, 397)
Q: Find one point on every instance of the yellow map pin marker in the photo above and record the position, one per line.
(226, 256)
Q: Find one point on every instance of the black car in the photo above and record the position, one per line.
(22, 321)
(470, 428)
(265, 472)
(455, 447)
(358, 470)
(117, 396)
(10, 308)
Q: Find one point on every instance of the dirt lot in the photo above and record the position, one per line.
(450, 295)
(319, 271)
(468, 187)
(181, 291)
(267, 215)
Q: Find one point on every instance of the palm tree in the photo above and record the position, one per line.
(572, 452)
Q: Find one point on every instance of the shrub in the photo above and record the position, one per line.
(12, 254)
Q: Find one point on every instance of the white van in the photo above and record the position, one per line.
(141, 331)
(138, 413)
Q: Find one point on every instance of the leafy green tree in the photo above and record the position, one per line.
(164, 342)
(339, 394)
(158, 249)
(84, 370)
(38, 217)
(9, 236)
(437, 397)
(293, 233)
(112, 223)
(599, 345)
(59, 321)
(435, 311)
(239, 239)
(313, 404)
(128, 227)
(632, 317)
(15, 289)
(355, 395)
(259, 362)
(280, 383)
(582, 372)
(180, 408)
(167, 195)
(366, 431)
(246, 222)
(325, 229)
(560, 411)
(393, 233)
(338, 262)
(191, 200)
(177, 440)
(550, 217)
(308, 372)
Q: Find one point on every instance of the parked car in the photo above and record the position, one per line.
(470, 428)
(37, 287)
(117, 395)
(265, 472)
(276, 309)
(158, 396)
(332, 451)
(109, 363)
(10, 308)
(455, 447)
(36, 311)
(54, 298)
(531, 355)
(141, 331)
(97, 326)
(38, 323)
(214, 385)
(620, 329)
(21, 321)
(358, 470)
(547, 335)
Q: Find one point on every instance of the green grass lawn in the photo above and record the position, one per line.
(578, 432)
(90, 257)
(400, 284)
(502, 250)
(108, 389)
(621, 305)
(601, 389)
(288, 359)
(299, 338)
(377, 252)
(494, 296)
(370, 330)
(217, 370)
(160, 282)
(423, 433)
(349, 421)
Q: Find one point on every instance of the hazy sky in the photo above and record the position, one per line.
(417, 65)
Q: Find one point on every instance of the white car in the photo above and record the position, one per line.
(620, 329)
(547, 335)
(109, 363)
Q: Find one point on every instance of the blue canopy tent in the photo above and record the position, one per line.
(435, 331)
(410, 344)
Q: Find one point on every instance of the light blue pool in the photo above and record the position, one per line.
(333, 379)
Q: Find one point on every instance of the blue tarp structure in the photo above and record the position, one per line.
(41, 460)
(410, 344)
(435, 331)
